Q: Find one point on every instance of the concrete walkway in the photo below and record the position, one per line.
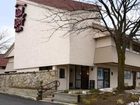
(61, 103)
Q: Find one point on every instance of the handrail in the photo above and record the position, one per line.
(55, 81)
(44, 88)
(54, 84)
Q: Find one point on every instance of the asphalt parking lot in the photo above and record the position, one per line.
(15, 100)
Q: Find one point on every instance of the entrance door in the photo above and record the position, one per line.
(81, 77)
(103, 78)
(84, 77)
(134, 79)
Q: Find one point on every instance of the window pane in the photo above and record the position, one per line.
(100, 84)
(100, 74)
(136, 48)
(127, 74)
(78, 84)
(45, 68)
(61, 73)
(138, 75)
(78, 72)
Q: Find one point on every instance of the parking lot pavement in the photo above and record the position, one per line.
(15, 100)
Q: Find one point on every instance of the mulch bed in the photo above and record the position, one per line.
(109, 99)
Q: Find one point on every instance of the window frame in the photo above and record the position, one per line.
(62, 75)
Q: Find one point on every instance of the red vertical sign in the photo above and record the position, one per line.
(20, 16)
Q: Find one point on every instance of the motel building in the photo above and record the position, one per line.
(84, 61)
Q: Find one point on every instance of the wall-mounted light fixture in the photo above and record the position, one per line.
(111, 73)
(92, 68)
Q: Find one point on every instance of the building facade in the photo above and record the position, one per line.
(87, 60)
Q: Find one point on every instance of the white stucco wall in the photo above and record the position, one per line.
(64, 82)
(32, 47)
(11, 52)
(113, 77)
(93, 75)
(82, 42)
(10, 65)
(103, 42)
(35, 69)
(82, 48)
(138, 83)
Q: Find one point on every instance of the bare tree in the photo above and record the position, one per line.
(5, 41)
(125, 27)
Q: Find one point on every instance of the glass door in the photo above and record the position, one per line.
(78, 77)
(100, 78)
(81, 77)
(106, 81)
(103, 78)
(84, 77)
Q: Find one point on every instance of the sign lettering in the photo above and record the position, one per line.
(20, 16)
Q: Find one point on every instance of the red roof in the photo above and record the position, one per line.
(3, 61)
(66, 4)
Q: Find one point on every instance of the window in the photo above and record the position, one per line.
(100, 73)
(136, 48)
(138, 75)
(127, 74)
(61, 73)
(45, 68)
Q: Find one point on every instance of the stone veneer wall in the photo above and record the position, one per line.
(25, 84)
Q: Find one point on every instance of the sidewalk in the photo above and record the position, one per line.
(56, 102)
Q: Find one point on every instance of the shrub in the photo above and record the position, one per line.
(134, 97)
(120, 102)
(94, 91)
(89, 101)
(66, 91)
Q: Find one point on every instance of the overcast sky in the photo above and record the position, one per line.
(7, 11)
